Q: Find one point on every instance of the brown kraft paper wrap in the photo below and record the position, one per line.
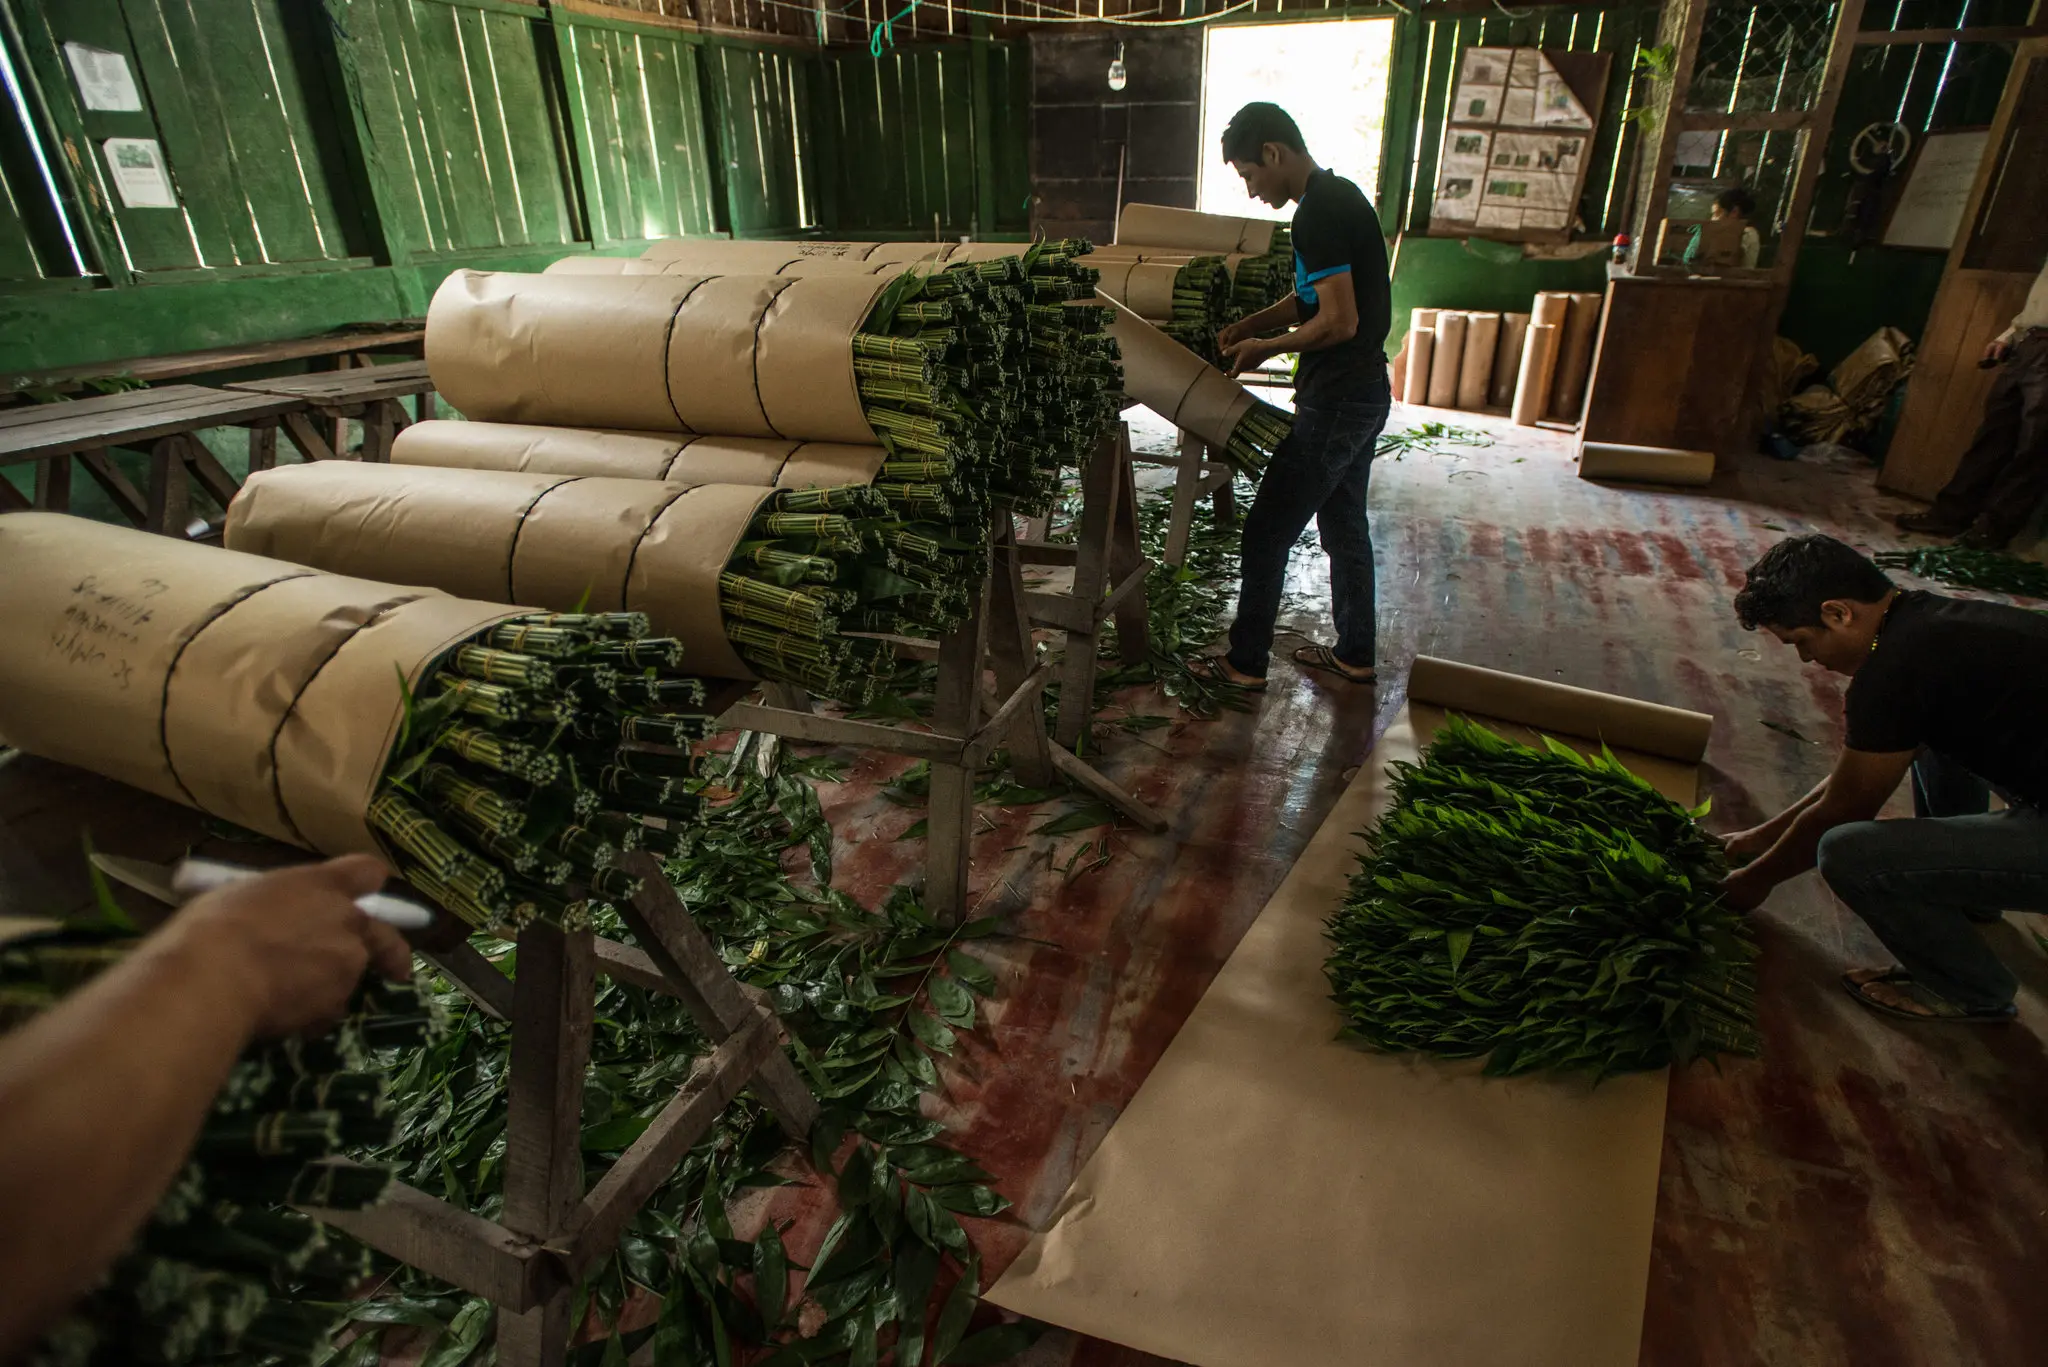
(1575, 356)
(1644, 464)
(1273, 1195)
(1532, 380)
(1507, 359)
(1156, 225)
(551, 541)
(1174, 382)
(722, 255)
(200, 674)
(1482, 331)
(738, 355)
(1421, 351)
(766, 461)
(1449, 359)
(1146, 289)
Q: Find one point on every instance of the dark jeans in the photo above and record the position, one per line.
(2004, 473)
(1922, 886)
(1320, 471)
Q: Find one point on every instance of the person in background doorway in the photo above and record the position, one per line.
(1739, 205)
(1951, 690)
(2004, 473)
(1341, 397)
(102, 1095)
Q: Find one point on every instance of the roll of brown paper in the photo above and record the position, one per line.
(739, 355)
(1507, 359)
(1482, 333)
(561, 542)
(1175, 383)
(1449, 357)
(1156, 225)
(1143, 287)
(1421, 353)
(1532, 381)
(1423, 318)
(1575, 357)
(1644, 464)
(265, 693)
(765, 461)
(1397, 369)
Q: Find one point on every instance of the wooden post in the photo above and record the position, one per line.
(1187, 487)
(1012, 653)
(949, 822)
(552, 1000)
(263, 445)
(168, 494)
(53, 484)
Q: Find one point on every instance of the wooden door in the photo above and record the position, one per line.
(1996, 256)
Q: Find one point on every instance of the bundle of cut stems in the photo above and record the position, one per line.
(1261, 281)
(531, 757)
(223, 1271)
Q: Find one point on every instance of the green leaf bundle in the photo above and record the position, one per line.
(1964, 567)
(222, 1270)
(1543, 910)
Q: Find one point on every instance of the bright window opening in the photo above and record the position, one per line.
(1330, 74)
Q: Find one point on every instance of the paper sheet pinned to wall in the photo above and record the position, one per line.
(140, 177)
(104, 79)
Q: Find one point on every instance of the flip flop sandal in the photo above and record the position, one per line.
(1938, 1012)
(1322, 657)
(1213, 668)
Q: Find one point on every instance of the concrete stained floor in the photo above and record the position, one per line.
(1864, 1193)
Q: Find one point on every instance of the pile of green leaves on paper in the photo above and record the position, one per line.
(1542, 909)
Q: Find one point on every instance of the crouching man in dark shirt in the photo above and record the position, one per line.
(1321, 470)
(1955, 691)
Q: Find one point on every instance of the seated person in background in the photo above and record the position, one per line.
(1952, 690)
(2003, 475)
(1733, 206)
(102, 1095)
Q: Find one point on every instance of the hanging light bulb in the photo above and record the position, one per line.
(1119, 75)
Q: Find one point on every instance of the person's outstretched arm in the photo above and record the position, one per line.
(102, 1095)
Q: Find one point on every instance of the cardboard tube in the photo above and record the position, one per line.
(263, 692)
(1397, 369)
(1532, 382)
(765, 461)
(1421, 354)
(547, 541)
(741, 355)
(1448, 359)
(1481, 334)
(1423, 318)
(1174, 382)
(586, 264)
(1575, 357)
(1562, 710)
(1644, 464)
(1507, 359)
(1156, 225)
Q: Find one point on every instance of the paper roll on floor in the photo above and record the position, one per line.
(1644, 464)
(1448, 358)
(1532, 381)
(1507, 359)
(1157, 225)
(1482, 332)
(561, 542)
(1421, 356)
(1575, 356)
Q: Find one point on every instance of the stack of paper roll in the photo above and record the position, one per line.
(1539, 358)
(1258, 252)
(1451, 359)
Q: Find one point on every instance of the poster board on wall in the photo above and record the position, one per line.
(1518, 140)
(1944, 171)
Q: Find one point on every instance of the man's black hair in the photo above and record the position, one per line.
(1786, 588)
(1738, 200)
(1255, 125)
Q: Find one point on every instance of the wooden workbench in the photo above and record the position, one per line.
(370, 393)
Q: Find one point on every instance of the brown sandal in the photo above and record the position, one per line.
(1217, 669)
(1322, 657)
(1857, 982)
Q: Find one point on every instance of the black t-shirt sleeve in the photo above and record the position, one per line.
(1882, 711)
(1321, 245)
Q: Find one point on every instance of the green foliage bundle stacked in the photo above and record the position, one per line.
(531, 758)
(1544, 910)
(871, 1000)
(1202, 304)
(1257, 436)
(1264, 280)
(222, 1272)
(1075, 389)
(1994, 571)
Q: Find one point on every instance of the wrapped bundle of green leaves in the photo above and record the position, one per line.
(223, 1271)
(1544, 910)
(818, 564)
(1257, 436)
(532, 757)
(1264, 280)
(1994, 571)
(1202, 304)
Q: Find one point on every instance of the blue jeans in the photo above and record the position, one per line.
(1320, 471)
(1923, 886)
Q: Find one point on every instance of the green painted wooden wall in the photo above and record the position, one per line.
(332, 160)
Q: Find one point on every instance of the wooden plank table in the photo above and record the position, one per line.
(160, 421)
(353, 344)
(370, 393)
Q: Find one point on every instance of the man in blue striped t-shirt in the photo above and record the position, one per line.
(1341, 306)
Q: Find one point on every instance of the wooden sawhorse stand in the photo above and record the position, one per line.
(1199, 470)
(968, 722)
(553, 1231)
